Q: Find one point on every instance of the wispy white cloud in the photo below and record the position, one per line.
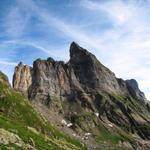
(124, 47)
(127, 44)
(114, 10)
(45, 48)
(59, 54)
(15, 22)
(8, 68)
(70, 30)
(8, 63)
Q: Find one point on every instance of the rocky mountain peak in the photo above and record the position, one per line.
(20, 64)
(90, 72)
(79, 54)
(22, 78)
(85, 93)
(75, 49)
(83, 72)
(134, 90)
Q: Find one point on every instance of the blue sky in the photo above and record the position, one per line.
(116, 31)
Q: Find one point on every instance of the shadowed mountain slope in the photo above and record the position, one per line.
(102, 109)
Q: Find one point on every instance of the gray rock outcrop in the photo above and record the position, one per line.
(84, 85)
(22, 78)
(82, 73)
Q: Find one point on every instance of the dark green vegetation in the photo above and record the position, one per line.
(19, 118)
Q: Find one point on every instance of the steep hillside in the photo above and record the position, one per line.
(21, 128)
(96, 107)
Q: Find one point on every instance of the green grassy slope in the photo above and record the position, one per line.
(22, 128)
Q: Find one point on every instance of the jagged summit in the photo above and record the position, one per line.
(134, 89)
(20, 63)
(79, 53)
(81, 88)
(22, 78)
(76, 49)
(83, 71)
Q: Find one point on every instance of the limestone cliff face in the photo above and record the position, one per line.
(82, 73)
(84, 85)
(22, 78)
(51, 79)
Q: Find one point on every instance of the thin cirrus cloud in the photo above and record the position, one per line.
(116, 31)
(129, 51)
(8, 63)
(67, 29)
(15, 23)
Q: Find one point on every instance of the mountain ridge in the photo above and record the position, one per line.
(88, 95)
(75, 49)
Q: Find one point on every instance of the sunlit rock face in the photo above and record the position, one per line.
(22, 78)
